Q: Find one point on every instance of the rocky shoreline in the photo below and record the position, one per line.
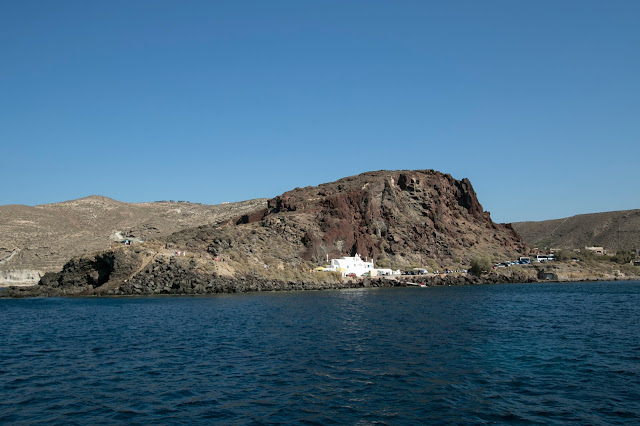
(192, 286)
(181, 282)
(139, 272)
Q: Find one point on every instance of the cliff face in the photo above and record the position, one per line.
(404, 216)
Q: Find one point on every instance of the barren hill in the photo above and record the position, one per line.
(39, 239)
(611, 230)
(401, 218)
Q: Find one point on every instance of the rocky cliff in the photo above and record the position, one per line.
(404, 217)
(400, 218)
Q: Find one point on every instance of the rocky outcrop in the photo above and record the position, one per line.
(98, 273)
(398, 217)
(405, 216)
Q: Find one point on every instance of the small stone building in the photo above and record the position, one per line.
(596, 250)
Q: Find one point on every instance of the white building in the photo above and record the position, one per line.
(386, 271)
(350, 265)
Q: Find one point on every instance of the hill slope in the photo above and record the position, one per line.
(40, 239)
(611, 230)
(405, 217)
(397, 217)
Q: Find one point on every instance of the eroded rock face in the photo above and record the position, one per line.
(391, 214)
(406, 217)
(94, 272)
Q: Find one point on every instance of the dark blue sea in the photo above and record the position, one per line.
(519, 353)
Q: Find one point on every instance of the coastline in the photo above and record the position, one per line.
(220, 285)
(127, 272)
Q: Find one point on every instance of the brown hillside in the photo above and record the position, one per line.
(611, 230)
(43, 238)
(397, 217)
(401, 218)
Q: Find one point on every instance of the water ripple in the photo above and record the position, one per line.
(541, 354)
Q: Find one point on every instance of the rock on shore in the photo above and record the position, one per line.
(173, 276)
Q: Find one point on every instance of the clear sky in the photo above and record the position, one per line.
(536, 102)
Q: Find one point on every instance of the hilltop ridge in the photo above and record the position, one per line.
(617, 230)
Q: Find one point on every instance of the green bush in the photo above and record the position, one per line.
(480, 265)
(563, 255)
(623, 256)
(587, 255)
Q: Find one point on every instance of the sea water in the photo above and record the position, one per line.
(532, 353)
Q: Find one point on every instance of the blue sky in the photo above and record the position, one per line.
(536, 102)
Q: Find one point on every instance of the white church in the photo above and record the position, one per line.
(350, 265)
